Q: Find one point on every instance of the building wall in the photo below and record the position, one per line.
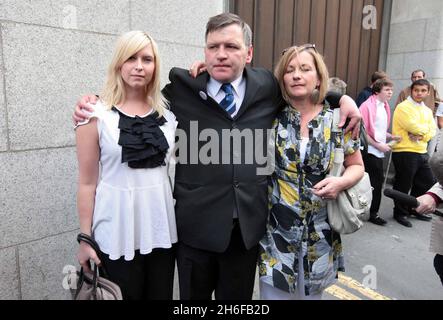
(415, 42)
(52, 52)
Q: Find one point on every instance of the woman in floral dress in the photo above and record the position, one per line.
(300, 255)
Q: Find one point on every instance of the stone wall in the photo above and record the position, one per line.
(415, 42)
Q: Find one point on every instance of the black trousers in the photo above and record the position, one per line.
(438, 265)
(230, 274)
(374, 167)
(146, 277)
(412, 173)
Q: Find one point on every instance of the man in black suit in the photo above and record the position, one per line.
(221, 210)
(221, 206)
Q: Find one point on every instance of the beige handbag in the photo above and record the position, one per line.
(91, 286)
(345, 213)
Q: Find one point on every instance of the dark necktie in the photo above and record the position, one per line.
(228, 102)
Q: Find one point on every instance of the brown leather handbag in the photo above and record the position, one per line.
(92, 286)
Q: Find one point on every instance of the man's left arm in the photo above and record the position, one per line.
(167, 90)
(348, 110)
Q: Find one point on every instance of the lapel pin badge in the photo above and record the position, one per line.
(203, 95)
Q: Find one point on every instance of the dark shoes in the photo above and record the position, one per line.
(377, 220)
(403, 221)
(422, 217)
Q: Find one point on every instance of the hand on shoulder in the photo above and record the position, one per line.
(83, 109)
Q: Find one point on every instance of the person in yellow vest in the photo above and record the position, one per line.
(415, 124)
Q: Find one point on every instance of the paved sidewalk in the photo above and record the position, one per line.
(393, 260)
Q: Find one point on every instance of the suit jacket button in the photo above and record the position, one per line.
(236, 184)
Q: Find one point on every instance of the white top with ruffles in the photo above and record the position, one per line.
(134, 208)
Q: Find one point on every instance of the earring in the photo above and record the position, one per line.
(315, 95)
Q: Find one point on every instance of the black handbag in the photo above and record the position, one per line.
(92, 286)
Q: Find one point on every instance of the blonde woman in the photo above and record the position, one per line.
(124, 193)
(300, 254)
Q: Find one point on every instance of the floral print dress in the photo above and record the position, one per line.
(298, 219)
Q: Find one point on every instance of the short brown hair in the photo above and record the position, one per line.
(378, 75)
(421, 82)
(337, 85)
(380, 83)
(320, 66)
(226, 19)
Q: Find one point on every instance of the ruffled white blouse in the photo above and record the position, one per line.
(134, 208)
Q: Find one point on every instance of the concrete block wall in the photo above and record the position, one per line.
(415, 42)
(52, 52)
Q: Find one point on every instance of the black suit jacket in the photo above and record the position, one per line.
(207, 193)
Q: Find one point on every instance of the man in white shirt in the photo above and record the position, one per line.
(376, 115)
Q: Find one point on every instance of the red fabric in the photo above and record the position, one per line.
(435, 197)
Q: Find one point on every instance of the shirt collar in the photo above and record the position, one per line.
(214, 86)
(379, 103)
(416, 103)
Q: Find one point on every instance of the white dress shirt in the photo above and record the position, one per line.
(415, 103)
(380, 129)
(215, 92)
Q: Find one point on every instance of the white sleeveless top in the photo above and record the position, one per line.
(134, 208)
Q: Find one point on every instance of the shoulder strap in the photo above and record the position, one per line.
(337, 163)
(335, 120)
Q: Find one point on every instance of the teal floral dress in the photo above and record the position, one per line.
(298, 219)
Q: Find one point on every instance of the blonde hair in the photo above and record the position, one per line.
(320, 66)
(127, 45)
